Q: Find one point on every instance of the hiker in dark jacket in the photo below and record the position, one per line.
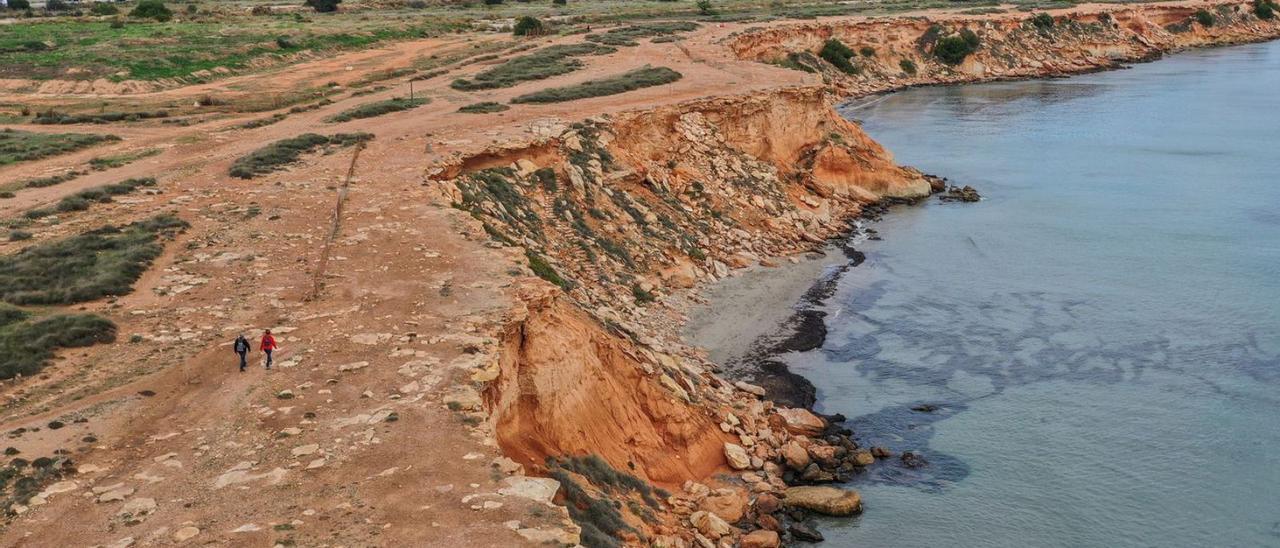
(268, 344)
(241, 347)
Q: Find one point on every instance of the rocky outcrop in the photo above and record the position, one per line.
(899, 52)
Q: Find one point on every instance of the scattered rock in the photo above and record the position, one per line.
(862, 457)
(710, 524)
(737, 456)
(186, 533)
(802, 421)
(118, 493)
(912, 460)
(761, 538)
(729, 504)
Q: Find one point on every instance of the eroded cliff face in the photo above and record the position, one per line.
(1010, 45)
(617, 212)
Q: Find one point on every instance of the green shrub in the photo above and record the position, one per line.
(20, 146)
(17, 5)
(52, 117)
(284, 42)
(560, 2)
(99, 263)
(101, 8)
(152, 9)
(1042, 21)
(627, 81)
(705, 7)
(276, 155)
(528, 26)
(19, 235)
(485, 107)
(543, 63)
(1265, 9)
(323, 6)
(867, 51)
(953, 50)
(1205, 18)
(369, 110)
(627, 36)
(41, 182)
(254, 124)
(908, 66)
(56, 5)
(543, 269)
(642, 296)
(82, 200)
(27, 344)
(835, 52)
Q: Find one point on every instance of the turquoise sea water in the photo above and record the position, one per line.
(1101, 332)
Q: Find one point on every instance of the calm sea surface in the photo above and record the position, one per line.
(1101, 333)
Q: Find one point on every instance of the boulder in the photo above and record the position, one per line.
(801, 421)
(769, 522)
(710, 524)
(767, 504)
(880, 452)
(831, 501)
(737, 456)
(862, 457)
(795, 456)
(729, 504)
(761, 538)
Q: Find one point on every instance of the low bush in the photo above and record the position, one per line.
(953, 50)
(867, 51)
(51, 117)
(323, 6)
(627, 81)
(84, 199)
(1265, 9)
(261, 122)
(1205, 18)
(26, 344)
(485, 107)
(287, 151)
(908, 66)
(544, 270)
(18, 5)
(103, 8)
(544, 63)
(835, 52)
(101, 163)
(41, 182)
(1042, 21)
(20, 146)
(628, 35)
(369, 110)
(96, 264)
(152, 9)
(528, 26)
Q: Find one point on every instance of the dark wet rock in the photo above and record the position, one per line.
(964, 194)
(815, 474)
(880, 452)
(912, 459)
(924, 408)
(804, 533)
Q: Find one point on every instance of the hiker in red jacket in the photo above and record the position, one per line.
(267, 345)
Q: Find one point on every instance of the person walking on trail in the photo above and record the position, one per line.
(241, 347)
(267, 345)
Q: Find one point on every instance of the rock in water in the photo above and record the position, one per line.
(831, 501)
(802, 532)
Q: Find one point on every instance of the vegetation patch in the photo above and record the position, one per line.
(908, 66)
(529, 26)
(600, 517)
(52, 117)
(627, 81)
(27, 343)
(263, 122)
(101, 163)
(485, 107)
(801, 61)
(1042, 21)
(1265, 9)
(953, 49)
(541, 64)
(369, 110)
(82, 200)
(279, 154)
(835, 52)
(21, 146)
(544, 270)
(1205, 18)
(99, 263)
(627, 36)
(41, 182)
